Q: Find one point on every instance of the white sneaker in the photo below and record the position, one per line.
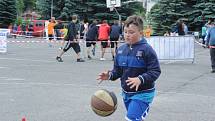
(102, 59)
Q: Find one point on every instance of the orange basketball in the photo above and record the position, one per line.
(103, 102)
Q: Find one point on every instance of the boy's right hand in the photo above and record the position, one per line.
(103, 76)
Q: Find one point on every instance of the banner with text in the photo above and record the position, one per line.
(3, 40)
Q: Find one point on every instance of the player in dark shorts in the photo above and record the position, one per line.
(91, 38)
(115, 32)
(71, 39)
(103, 36)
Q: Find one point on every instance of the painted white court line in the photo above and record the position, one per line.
(14, 79)
(19, 59)
(57, 84)
(11, 79)
(3, 77)
(3, 67)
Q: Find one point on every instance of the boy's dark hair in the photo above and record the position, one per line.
(74, 17)
(136, 20)
(95, 21)
(104, 21)
(115, 21)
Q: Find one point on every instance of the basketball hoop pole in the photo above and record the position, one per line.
(118, 15)
(112, 4)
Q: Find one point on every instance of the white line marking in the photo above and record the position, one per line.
(11, 79)
(19, 59)
(14, 79)
(3, 77)
(57, 84)
(1, 67)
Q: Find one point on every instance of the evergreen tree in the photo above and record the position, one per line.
(209, 11)
(98, 9)
(165, 14)
(29, 5)
(20, 7)
(87, 9)
(58, 7)
(44, 8)
(195, 13)
(7, 12)
(68, 10)
(203, 10)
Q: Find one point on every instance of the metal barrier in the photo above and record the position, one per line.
(177, 48)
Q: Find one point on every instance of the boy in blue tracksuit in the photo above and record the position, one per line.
(137, 66)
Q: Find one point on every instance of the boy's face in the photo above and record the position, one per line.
(75, 21)
(52, 19)
(132, 34)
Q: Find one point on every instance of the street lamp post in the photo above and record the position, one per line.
(51, 8)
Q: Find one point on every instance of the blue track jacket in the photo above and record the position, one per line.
(137, 60)
(210, 38)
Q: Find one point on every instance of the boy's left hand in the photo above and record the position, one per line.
(133, 82)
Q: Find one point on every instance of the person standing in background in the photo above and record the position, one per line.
(64, 34)
(91, 38)
(210, 42)
(148, 31)
(185, 28)
(204, 29)
(83, 30)
(166, 33)
(46, 30)
(104, 31)
(181, 28)
(14, 30)
(115, 32)
(51, 25)
(57, 29)
(72, 40)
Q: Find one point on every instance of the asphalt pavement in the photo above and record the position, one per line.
(35, 86)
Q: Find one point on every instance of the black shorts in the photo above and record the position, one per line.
(51, 37)
(104, 43)
(75, 46)
(89, 43)
(82, 36)
(114, 41)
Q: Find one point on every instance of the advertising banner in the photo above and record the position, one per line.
(3, 40)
